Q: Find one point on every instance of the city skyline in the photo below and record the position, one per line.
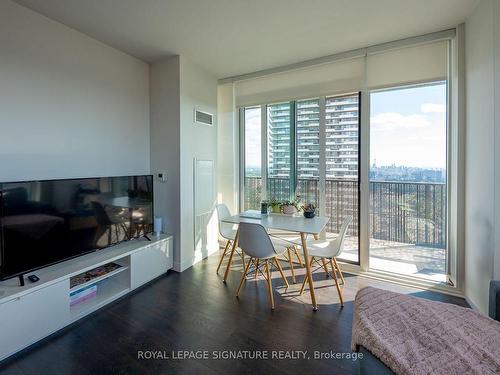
(407, 129)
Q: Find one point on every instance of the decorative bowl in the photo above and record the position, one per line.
(309, 214)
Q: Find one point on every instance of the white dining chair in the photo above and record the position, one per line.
(292, 249)
(227, 232)
(328, 251)
(263, 252)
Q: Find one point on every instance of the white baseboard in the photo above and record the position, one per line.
(471, 304)
(182, 266)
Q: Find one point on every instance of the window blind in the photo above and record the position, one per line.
(332, 78)
(384, 68)
(425, 62)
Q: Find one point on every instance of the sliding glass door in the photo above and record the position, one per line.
(342, 169)
(408, 181)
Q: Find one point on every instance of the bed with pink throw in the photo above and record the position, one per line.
(412, 335)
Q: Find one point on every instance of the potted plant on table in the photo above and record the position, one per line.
(275, 206)
(291, 207)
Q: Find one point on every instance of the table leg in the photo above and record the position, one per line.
(308, 270)
(233, 249)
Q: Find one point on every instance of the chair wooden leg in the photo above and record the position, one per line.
(125, 230)
(340, 271)
(256, 269)
(305, 277)
(244, 276)
(269, 284)
(231, 254)
(325, 267)
(299, 258)
(337, 284)
(278, 265)
(223, 255)
(290, 262)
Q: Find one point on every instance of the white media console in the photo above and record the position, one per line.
(36, 310)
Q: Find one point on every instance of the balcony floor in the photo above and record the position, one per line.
(401, 258)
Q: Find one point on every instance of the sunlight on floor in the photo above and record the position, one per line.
(326, 293)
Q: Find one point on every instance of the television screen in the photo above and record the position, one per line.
(45, 222)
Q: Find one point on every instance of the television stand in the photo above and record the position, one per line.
(30, 313)
(21, 280)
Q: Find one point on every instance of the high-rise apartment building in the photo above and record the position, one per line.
(341, 138)
(342, 128)
(278, 140)
(308, 138)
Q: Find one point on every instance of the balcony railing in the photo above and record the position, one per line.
(405, 212)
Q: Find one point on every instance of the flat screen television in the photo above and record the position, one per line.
(46, 222)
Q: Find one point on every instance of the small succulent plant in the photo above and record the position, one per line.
(309, 207)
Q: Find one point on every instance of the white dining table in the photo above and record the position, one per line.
(298, 224)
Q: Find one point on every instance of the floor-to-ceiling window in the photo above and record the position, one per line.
(308, 150)
(408, 180)
(393, 166)
(252, 154)
(280, 151)
(311, 146)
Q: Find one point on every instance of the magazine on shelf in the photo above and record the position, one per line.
(92, 274)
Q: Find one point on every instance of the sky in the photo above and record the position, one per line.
(407, 128)
(252, 137)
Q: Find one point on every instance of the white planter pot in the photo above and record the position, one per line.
(289, 210)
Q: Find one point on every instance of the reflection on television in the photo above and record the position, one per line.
(44, 222)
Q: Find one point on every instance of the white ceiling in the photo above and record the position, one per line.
(231, 37)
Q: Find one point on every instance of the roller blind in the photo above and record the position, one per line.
(338, 77)
(384, 68)
(426, 62)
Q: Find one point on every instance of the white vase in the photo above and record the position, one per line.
(289, 210)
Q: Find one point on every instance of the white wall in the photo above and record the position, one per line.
(482, 170)
(198, 90)
(70, 106)
(165, 144)
(177, 87)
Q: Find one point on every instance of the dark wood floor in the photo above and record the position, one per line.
(194, 310)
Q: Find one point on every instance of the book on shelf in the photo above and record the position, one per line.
(83, 294)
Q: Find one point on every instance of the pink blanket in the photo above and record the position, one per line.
(416, 336)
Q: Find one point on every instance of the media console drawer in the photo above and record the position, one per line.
(27, 319)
